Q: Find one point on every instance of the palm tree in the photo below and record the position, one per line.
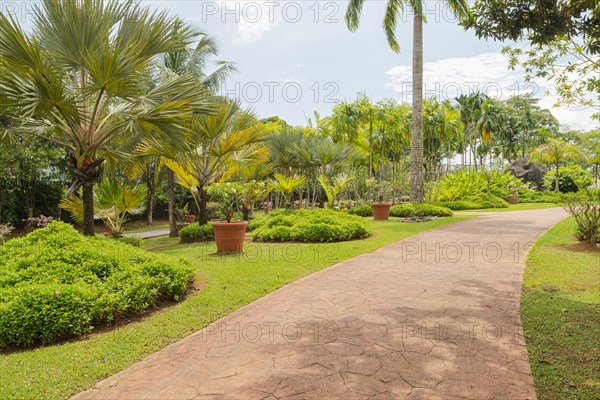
(80, 80)
(287, 185)
(392, 14)
(217, 146)
(189, 60)
(555, 152)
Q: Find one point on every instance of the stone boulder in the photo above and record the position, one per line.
(529, 172)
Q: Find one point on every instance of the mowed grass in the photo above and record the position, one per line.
(519, 207)
(561, 315)
(228, 282)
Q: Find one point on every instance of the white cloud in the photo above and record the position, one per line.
(488, 73)
(251, 19)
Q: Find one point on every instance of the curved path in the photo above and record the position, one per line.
(435, 316)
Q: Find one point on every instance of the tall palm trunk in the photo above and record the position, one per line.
(88, 208)
(173, 231)
(416, 150)
(556, 182)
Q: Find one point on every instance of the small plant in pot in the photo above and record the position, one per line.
(513, 197)
(379, 194)
(229, 235)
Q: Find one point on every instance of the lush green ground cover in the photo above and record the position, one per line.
(56, 283)
(561, 315)
(229, 282)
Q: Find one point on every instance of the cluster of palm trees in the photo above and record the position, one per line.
(126, 92)
(121, 87)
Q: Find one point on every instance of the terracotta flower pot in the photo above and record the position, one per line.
(190, 218)
(229, 236)
(512, 199)
(381, 211)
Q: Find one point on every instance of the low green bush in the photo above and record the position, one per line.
(196, 233)
(312, 226)
(534, 196)
(419, 210)
(56, 283)
(363, 210)
(488, 200)
(458, 205)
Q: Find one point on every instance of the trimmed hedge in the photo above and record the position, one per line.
(313, 226)
(56, 283)
(196, 233)
(363, 210)
(419, 210)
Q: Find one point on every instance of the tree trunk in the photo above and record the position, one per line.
(371, 149)
(203, 216)
(88, 208)
(556, 183)
(416, 150)
(173, 231)
(151, 198)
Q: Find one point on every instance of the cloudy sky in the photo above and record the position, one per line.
(297, 57)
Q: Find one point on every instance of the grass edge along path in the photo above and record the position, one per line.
(59, 371)
(560, 307)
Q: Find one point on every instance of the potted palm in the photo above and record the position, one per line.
(380, 207)
(229, 235)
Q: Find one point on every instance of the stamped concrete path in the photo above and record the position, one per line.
(435, 316)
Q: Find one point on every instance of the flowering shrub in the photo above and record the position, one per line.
(37, 222)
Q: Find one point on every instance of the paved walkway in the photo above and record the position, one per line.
(435, 316)
(150, 234)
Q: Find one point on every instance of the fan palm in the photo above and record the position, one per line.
(334, 187)
(555, 152)
(286, 185)
(394, 9)
(80, 79)
(114, 200)
(216, 147)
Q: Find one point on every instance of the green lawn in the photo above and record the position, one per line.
(59, 371)
(519, 207)
(561, 315)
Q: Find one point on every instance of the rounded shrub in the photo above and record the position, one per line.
(56, 283)
(363, 210)
(419, 210)
(196, 233)
(312, 226)
(488, 200)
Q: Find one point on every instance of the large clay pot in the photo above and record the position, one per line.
(229, 236)
(190, 218)
(381, 211)
(512, 199)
